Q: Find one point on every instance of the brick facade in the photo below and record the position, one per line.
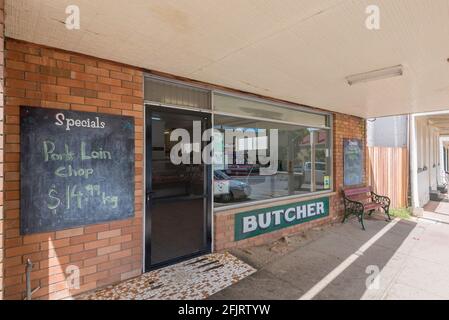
(344, 126)
(105, 253)
(2, 63)
(109, 252)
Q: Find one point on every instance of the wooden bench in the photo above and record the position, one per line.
(362, 199)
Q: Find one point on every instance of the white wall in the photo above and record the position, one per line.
(441, 166)
(423, 188)
(428, 158)
(387, 131)
(444, 140)
(433, 158)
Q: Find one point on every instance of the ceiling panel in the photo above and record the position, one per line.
(296, 50)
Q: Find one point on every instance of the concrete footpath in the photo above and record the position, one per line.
(402, 259)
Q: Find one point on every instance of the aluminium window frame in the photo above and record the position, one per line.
(291, 107)
(248, 96)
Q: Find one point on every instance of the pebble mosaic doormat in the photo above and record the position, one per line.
(194, 279)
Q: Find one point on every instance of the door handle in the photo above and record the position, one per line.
(149, 194)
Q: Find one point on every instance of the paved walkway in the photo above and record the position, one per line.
(409, 257)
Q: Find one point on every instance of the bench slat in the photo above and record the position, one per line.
(364, 196)
(355, 191)
(372, 206)
(360, 197)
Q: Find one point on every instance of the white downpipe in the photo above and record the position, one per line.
(414, 163)
(441, 173)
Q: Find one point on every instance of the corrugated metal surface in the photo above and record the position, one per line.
(258, 109)
(387, 132)
(174, 94)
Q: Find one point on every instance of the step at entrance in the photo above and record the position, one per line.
(194, 279)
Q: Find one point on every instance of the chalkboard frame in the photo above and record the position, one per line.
(25, 217)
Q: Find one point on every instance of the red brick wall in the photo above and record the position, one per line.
(2, 63)
(344, 126)
(105, 253)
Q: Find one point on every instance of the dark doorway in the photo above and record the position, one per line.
(178, 196)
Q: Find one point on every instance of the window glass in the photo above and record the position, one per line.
(322, 160)
(252, 163)
(238, 106)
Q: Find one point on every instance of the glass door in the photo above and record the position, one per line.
(178, 195)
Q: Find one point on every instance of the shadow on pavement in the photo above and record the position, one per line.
(293, 274)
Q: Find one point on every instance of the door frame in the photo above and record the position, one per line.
(147, 175)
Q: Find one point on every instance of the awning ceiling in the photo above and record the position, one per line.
(295, 50)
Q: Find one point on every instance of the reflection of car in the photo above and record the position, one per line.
(320, 172)
(298, 171)
(233, 189)
(242, 169)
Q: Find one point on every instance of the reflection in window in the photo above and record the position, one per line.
(237, 179)
(322, 160)
(169, 180)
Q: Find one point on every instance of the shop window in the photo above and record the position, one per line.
(258, 109)
(262, 151)
(302, 155)
(322, 160)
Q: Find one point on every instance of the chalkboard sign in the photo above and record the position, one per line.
(77, 168)
(353, 162)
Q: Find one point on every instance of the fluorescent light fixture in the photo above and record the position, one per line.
(385, 73)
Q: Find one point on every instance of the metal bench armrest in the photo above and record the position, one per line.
(353, 206)
(380, 199)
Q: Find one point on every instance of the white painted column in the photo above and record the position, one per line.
(441, 153)
(413, 163)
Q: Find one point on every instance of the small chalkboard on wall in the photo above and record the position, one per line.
(353, 162)
(77, 168)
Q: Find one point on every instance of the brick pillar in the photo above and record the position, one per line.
(2, 63)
